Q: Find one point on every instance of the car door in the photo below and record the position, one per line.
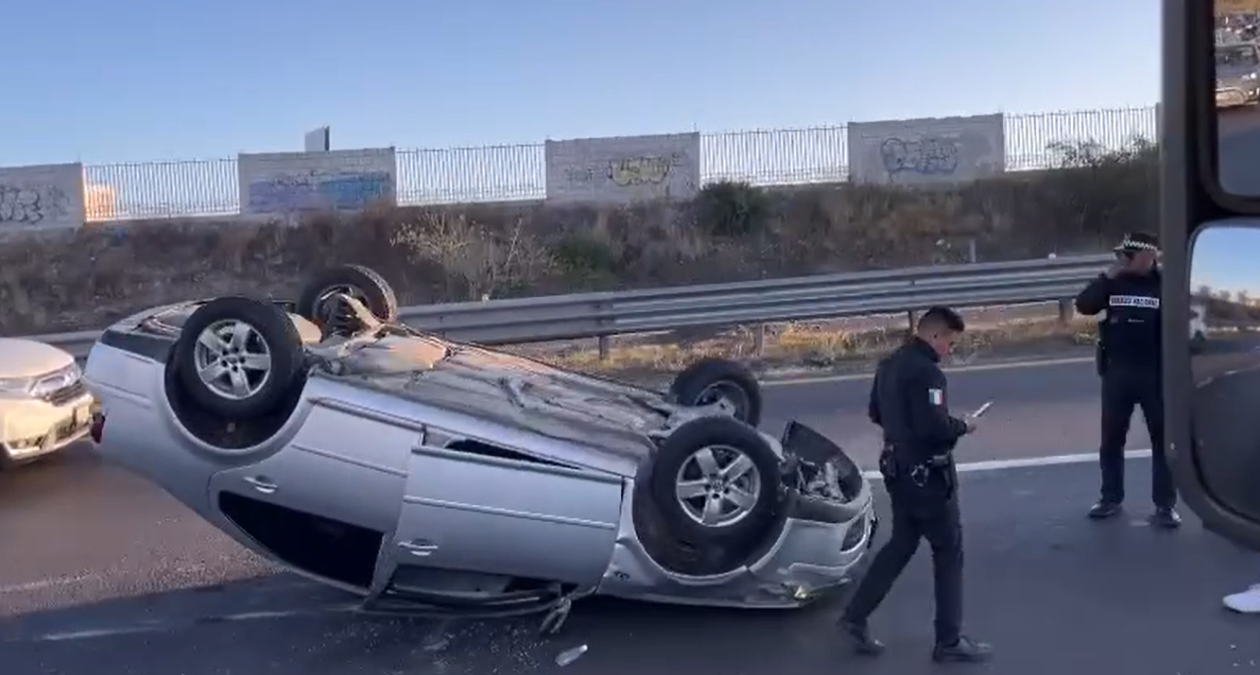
(326, 501)
(473, 506)
(1210, 213)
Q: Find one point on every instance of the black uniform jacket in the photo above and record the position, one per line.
(1129, 332)
(909, 400)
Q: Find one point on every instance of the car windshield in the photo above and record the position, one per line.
(1234, 57)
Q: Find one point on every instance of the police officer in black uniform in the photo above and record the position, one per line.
(908, 400)
(1128, 296)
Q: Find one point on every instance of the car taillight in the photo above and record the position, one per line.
(98, 428)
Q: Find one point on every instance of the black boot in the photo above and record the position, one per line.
(1103, 510)
(964, 649)
(860, 637)
(1165, 517)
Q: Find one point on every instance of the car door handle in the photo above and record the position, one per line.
(420, 549)
(262, 484)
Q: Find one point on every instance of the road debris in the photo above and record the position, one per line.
(570, 655)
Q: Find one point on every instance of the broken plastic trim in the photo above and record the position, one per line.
(816, 467)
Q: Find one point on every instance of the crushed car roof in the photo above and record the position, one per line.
(509, 390)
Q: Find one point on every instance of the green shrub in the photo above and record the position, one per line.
(733, 209)
(584, 260)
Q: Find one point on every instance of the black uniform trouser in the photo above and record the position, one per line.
(931, 513)
(1125, 387)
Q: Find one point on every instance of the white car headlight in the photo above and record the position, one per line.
(47, 384)
(15, 386)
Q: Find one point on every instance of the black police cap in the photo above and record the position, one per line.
(1138, 241)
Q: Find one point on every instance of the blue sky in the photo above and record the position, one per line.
(1225, 259)
(137, 80)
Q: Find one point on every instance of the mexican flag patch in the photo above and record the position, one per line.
(936, 396)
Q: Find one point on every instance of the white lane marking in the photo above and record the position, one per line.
(90, 634)
(1027, 462)
(94, 578)
(49, 583)
(951, 369)
(164, 626)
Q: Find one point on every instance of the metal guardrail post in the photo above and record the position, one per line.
(606, 321)
(759, 339)
(1066, 311)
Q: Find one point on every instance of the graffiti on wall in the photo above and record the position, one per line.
(25, 205)
(643, 170)
(287, 183)
(312, 191)
(628, 172)
(927, 151)
(623, 170)
(927, 156)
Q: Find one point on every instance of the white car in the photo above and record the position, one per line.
(44, 403)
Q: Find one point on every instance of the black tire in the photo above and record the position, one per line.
(701, 382)
(362, 282)
(272, 328)
(676, 454)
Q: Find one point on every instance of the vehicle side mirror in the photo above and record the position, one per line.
(1225, 364)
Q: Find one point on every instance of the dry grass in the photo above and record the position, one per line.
(805, 346)
(72, 280)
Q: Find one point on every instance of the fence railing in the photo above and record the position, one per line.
(588, 315)
(516, 172)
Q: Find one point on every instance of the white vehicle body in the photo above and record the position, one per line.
(44, 403)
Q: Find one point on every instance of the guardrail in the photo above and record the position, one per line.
(585, 315)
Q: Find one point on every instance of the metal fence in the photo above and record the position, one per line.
(516, 172)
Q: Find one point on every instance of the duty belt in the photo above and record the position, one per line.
(919, 472)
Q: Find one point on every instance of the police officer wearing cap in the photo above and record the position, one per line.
(908, 401)
(1127, 296)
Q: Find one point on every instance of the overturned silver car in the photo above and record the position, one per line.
(438, 478)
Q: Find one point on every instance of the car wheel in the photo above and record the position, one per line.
(356, 281)
(237, 357)
(716, 482)
(710, 380)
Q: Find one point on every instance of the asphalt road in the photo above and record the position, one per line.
(1038, 411)
(1114, 597)
(117, 535)
(1055, 592)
